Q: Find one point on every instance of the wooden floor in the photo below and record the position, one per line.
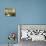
(30, 43)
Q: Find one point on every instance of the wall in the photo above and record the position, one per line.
(27, 12)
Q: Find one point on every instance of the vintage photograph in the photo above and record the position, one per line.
(10, 11)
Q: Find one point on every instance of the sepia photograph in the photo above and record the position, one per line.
(10, 12)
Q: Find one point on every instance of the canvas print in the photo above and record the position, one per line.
(10, 11)
(30, 35)
(33, 32)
